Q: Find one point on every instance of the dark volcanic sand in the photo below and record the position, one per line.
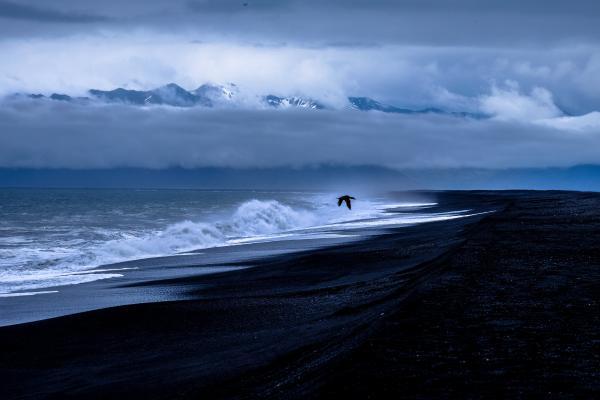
(502, 305)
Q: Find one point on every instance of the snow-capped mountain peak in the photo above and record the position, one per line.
(294, 101)
(217, 93)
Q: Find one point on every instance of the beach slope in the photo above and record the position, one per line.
(498, 304)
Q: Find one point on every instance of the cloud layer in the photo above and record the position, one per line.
(54, 134)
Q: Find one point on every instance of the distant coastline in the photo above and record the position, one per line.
(327, 177)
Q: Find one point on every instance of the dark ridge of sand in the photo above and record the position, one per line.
(496, 305)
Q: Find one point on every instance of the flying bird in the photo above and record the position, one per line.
(347, 199)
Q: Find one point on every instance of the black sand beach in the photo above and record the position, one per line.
(502, 305)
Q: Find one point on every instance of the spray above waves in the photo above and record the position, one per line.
(256, 217)
(252, 218)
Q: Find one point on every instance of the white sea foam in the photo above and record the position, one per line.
(33, 281)
(27, 293)
(399, 220)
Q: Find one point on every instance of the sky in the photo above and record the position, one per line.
(533, 66)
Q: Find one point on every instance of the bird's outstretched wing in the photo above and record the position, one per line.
(339, 201)
(348, 203)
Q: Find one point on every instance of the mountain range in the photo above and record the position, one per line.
(218, 96)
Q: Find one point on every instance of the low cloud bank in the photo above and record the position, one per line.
(46, 134)
(510, 104)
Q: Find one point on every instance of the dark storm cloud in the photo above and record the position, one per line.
(47, 134)
(236, 6)
(430, 22)
(407, 6)
(17, 11)
(323, 23)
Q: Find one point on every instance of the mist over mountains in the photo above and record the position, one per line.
(228, 96)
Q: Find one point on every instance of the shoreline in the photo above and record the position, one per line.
(133, 287)
(129, 283)
(412, 313)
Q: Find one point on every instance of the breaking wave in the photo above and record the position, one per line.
(36, 268)
(252, 218)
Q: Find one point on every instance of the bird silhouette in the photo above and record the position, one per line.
(346, 198)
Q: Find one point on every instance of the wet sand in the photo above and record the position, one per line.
(501, 304)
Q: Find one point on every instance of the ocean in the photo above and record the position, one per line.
(56, 237)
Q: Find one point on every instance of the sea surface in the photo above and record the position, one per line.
(55, 237)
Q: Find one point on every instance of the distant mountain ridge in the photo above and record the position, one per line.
(212, 95)
(171, 94)
(368, 104)
(324, 177)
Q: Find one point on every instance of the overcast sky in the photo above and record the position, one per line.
(534, 66)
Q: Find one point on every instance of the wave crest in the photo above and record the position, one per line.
(254, 217)
(257, 217)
